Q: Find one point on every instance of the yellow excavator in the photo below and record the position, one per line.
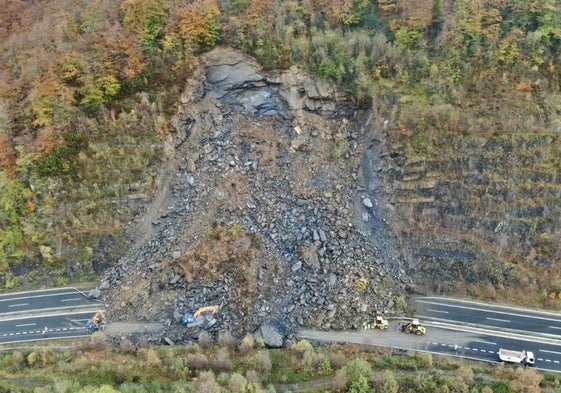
(96, 322)
(378, 323)
(414, 327)
(203, 317)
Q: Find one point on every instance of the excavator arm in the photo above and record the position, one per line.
(95, 322)
(204, 310)
(98, 318)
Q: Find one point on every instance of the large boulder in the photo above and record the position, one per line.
(270, 336)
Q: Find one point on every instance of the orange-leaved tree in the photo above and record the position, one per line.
(198, 22)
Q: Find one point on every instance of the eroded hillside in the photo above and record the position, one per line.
(262, 207)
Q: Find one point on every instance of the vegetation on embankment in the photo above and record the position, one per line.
(229, 366)
(88, 89)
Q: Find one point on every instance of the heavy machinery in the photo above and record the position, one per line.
(414, 327)
(95, 323)
(524, 358)
(203, 317)
(378, 323)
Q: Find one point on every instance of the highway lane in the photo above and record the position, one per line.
(485, 344)
(62, 325)
(468, 343)
(486, 315)
(51, 299)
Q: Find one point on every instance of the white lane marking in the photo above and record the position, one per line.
(468, 348)
(556, 361)
(37, 296)
(440, 311)
(498, 319)
(491, 351)
(18, 305)
(554, 327)
(488, 310)
(545, 350)
(475, 349)
(63, 314)
(483, 350)
(540, 359)
(26, 324)
(485, 342)
(548, 360)
(74, 299)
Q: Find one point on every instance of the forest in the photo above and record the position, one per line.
(81, 80)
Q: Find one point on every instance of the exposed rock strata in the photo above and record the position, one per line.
(268, 205)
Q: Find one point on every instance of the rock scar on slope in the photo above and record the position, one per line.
(261, 207)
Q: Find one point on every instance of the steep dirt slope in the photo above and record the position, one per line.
(263, 208)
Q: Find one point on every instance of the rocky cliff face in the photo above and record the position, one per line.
(272, 203)
(283, 203)
(478, 214)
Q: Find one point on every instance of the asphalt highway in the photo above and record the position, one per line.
(50, 299)
(63, 325)
(64, 311)
(467, 329)
(491, 316)
(469, 343)
(454, 327)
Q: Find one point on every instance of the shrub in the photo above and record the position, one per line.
(359, 372)
(221, 361)
(237, 383)
(424, 359)
(206, 383)
(197, 361)
(60, 160)
(340, 380)
(179, 367)
(466, 373)
(337, 360)
(205, 340)
(302, 346)
(388, 384)
(246, 345)
(152, 357)
(263, 362)
(225, 339)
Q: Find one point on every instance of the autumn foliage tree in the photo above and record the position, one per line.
(199, 22)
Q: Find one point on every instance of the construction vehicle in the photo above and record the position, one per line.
(413, 327)
(379, 323)
(203, 317)
(95, 323)
(524, 358)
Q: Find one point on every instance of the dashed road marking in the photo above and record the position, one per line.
(439, 311)
(485, 342)
(498, 319)
(71, 300)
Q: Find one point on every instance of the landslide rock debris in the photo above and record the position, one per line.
(270, 204)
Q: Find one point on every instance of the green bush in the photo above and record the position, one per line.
(60, 161)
